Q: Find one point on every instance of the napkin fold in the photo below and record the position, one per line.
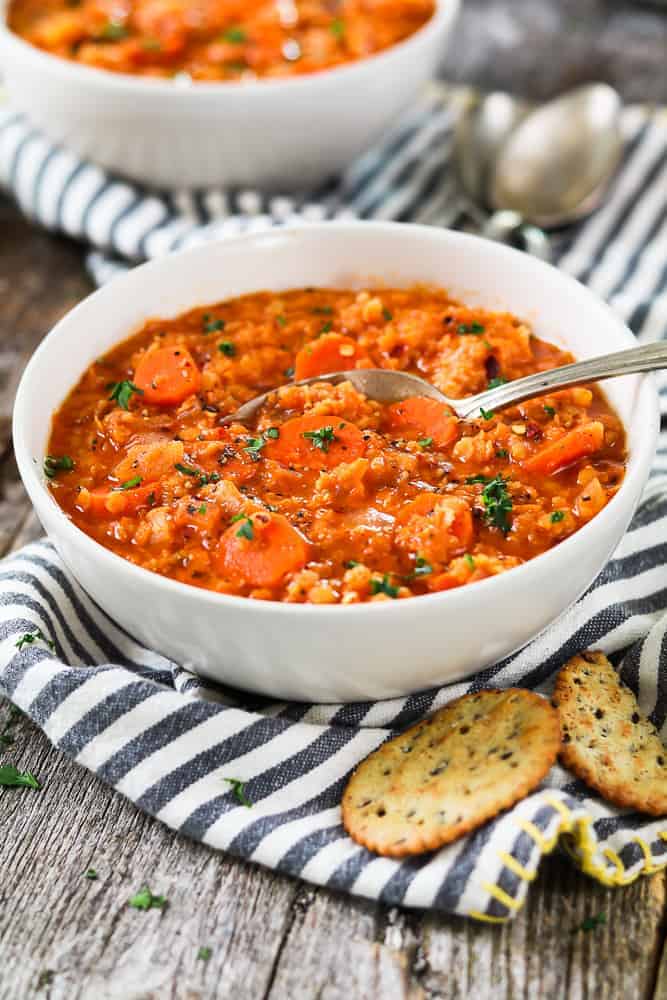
(171, 742)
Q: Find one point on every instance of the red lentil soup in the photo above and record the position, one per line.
(328, 497)
(217, 39)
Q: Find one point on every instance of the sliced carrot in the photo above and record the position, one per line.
(426, 504)
(576, 444)
(104, 504)
(444, 581)
(332, 352)
(167, 376)
(422, 417)
(316, 441)
(261, 549)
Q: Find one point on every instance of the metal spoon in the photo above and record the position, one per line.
(540, 167)
(387, 386)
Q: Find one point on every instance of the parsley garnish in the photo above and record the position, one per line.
(186, 470)
(227, 348)
(502, 453)
(323, 310)
(590, 923)
(388, 314)
(486, 414)
(337, 28)
(550, 411)
(479, 478)
(474, 328)
(351, 563)
(238, 789)
(272, 432)
(326, 327)
(53, 464)
(90, 874)
(470, 560)
(212, 325)
(498, 503)
(425, 442)
(422, 567)
(235, 35)
(123, 391)
(255, 445)
(145, 900)
(495, 382)
(11, 777)
(321, 438)
(289, 372)
(383, 586)
(30, 637)
(281, 320)
(129, 484)
(202, 509)
(246, 530)
(113, 31)
(557, 516)
(204, 953)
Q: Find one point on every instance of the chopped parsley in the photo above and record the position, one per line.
(337, 28)
(470, 560)
(326, 327)
(471, 328)
(53, 464)
(227, 348)
(497, 503)
(113, 31)
(281, 320)
(479, 478)
(321, 438)
(502, 453)
(497, 381)
(186, 470)
(129, 484)
(235, 35)
(425, 442)
(123, 391)
(11, 777)
(204, 478)
(145, 900)
(90, 874)
(272, 432)
(384, 586)
(486, 414)
(212, 324)
(323, 311)
(246, 530)
(550, 411)
(557, 516)
(289, 372)
(388, 314)
(202, 509)
(422, 567)
(238, 789)
(28, 638)
(351, 563)
(204, 953)
(255, 444)
(591, 923)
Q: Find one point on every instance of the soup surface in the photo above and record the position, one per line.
(328, 497)
(217, 39)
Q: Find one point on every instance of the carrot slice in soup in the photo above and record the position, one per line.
(167, 376)
(261, 549)
(458, 518)
(316, 441)
(332, 352)
(576, 444)
(420, 416)
(104, 504)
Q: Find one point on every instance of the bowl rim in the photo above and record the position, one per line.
(647, 410)
(440, 21)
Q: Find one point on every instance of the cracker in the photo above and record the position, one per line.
(607, 740)
(449, 774)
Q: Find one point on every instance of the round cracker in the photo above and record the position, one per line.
(449, 774)
(607, 740)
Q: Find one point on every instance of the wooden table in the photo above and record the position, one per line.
(65, 937)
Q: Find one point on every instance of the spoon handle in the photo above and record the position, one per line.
(639, 359)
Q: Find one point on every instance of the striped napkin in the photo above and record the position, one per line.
(170, 742)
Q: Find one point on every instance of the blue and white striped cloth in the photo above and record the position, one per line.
(168, 741)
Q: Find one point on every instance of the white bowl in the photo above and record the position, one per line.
(272, 134)
(333, 653)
